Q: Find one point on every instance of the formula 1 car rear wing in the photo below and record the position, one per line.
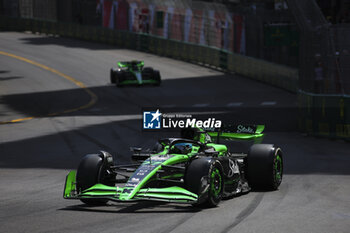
(124, 64)
(226, 132)
(240, 132)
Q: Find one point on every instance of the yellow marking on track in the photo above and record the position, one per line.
(93, 96)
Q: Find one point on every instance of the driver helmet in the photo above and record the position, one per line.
(181, 148)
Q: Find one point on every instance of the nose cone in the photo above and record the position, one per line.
(126, 194)
(138, 77)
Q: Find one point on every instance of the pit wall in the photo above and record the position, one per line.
(327, 116)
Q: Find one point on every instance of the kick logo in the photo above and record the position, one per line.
(152, 120)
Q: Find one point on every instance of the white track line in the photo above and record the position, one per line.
(200, 105)
(236, 104)
(268, 103)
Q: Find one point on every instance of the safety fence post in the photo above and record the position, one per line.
(208, 55)
(223, 59)
(184, 52)
(152, 44)
(342, 126)
(110, 37)
(346, 116)
(144, 42)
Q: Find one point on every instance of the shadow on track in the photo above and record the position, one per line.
(7, 78)
(66, 42)
(10, 78)
(64, 149)
(113, 101)
(138, 208)
(114, 123)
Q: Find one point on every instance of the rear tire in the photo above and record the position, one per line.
(148, 70)
(264, 167)
(112, 76)
(199, 174)
(157, 78)
(89, 173)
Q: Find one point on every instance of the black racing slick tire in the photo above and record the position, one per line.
(204, 177)
(147, 70)
(112, 76)
(89, 173)
(157, 78)
(119, 78)
(264, 167)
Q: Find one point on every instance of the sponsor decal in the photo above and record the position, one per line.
(145, 169)
(128, 189)
(157, 120)
(191, 123)
(245, 129)
(152, 120)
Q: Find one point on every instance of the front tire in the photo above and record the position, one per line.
(205, 173)
(265, 167)
(119, 77)
(89, 173)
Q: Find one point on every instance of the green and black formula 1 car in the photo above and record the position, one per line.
(192, 169)
(133, 73)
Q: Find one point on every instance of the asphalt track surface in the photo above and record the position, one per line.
(36, 154)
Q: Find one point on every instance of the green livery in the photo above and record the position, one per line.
(193, 169)
(134, 73)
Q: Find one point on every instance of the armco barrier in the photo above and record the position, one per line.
(277, 75)
(327, 116)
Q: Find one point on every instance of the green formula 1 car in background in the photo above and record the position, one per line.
(133, 73)
(194, 169)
